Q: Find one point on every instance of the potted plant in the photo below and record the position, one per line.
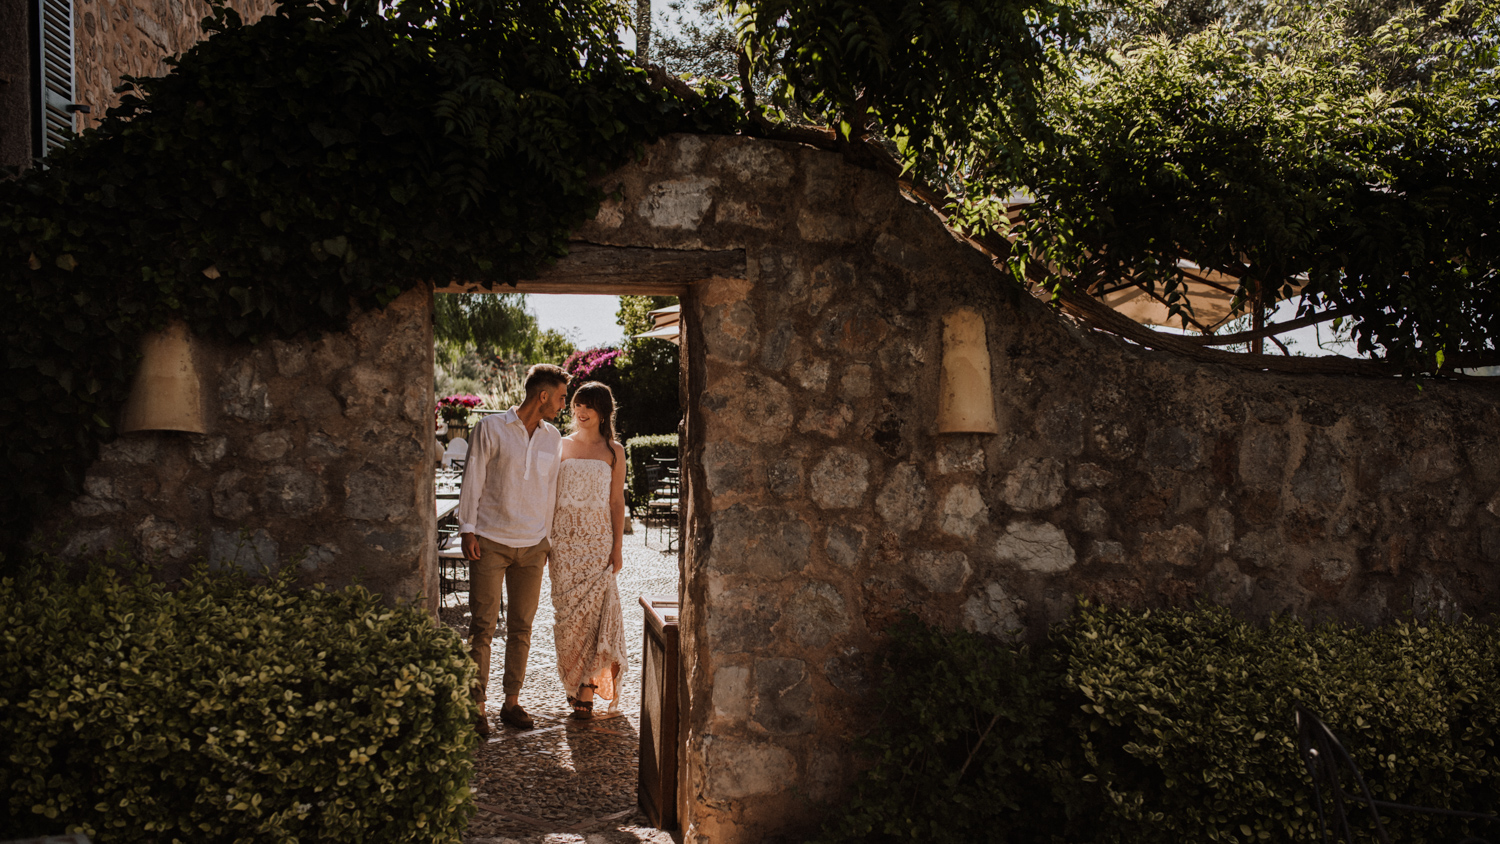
(454, 411)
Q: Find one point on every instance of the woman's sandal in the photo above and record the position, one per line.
(583, 710)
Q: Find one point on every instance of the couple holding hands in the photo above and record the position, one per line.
(528, 494)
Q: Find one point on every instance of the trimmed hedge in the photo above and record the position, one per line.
(224, 711)
(639, 452)
(1174, 726)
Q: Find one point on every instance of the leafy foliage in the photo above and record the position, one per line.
(223, 711)
(923, 73)
(650, 374)
(641, 468)
(323, 159)
(698, 42)
(1134, 726)
(1365, 166)
(966, 721)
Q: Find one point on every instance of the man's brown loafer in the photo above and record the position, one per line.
(516, 717)
(482, 726)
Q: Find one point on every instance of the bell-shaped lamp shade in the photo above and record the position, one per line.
(166, 394)
(966, 396)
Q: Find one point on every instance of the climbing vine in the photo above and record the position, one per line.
(287, 172)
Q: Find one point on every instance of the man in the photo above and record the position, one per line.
(505, 518)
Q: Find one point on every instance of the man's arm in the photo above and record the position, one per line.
(472, 488)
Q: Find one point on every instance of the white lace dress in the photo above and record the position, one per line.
(589, 627)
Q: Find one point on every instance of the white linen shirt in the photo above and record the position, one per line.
(510, 481)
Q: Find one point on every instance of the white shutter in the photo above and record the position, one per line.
(55, 50)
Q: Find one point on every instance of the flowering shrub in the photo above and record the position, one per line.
(589, 363)
(455, 408)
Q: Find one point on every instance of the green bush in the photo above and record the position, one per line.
(1175, 726)
(224, 711)
(639, 452)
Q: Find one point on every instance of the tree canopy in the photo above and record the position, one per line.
(1344, 154)
(1358, 171)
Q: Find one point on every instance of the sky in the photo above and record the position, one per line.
(586, 320)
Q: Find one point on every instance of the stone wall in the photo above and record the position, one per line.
(823, 503)
(117, 38)
(112, 39)
(318, 454)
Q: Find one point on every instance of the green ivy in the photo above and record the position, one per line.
(324, 159)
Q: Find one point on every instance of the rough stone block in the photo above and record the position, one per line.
(779, 346)
(839, 479)
(295, 492)
(1319, 478)
(826, 419)
(784, 478)
(810, 374)
(941, 571)
(1035, 485)
(1036, 546)
(856, 383)
(962, 511)
(243, 393)
(730, 331)
(374, 493)
(756, 164)
(731, 694)
(992, 611)
(677, 204)
(1107, 552)
(231, 500)
(845, 545)
(960, 453)
(740, 621)
(783, 697)
(749, 407)
(1092, 517)
(768, 543)
(1180, 546)
(1174, 448)
(207, 450)
(136, 449)
(268, 446)
(1263, 456)
(249, 551)
(740, 769)
(816, 614)
(903, 500)
(727, 467)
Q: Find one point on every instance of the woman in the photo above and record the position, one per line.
(587, 530)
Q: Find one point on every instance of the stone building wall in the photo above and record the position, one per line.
(823, 503)
(318, 454)
(117, 38)
(111, 39)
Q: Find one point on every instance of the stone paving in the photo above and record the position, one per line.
(568, 781)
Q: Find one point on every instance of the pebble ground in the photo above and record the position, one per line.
(568, 781)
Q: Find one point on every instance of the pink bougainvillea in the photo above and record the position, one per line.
(583, 365)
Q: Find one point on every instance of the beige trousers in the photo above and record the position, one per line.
(519, 571)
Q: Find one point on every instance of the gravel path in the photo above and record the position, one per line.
(567, 781)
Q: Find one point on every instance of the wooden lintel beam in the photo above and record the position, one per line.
(624, 270)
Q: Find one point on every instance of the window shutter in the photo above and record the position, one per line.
(54, 123)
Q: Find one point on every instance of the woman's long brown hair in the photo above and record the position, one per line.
(600, 399)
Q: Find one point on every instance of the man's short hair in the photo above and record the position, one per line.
(544, 375)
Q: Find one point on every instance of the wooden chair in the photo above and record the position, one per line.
(1330, 766)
